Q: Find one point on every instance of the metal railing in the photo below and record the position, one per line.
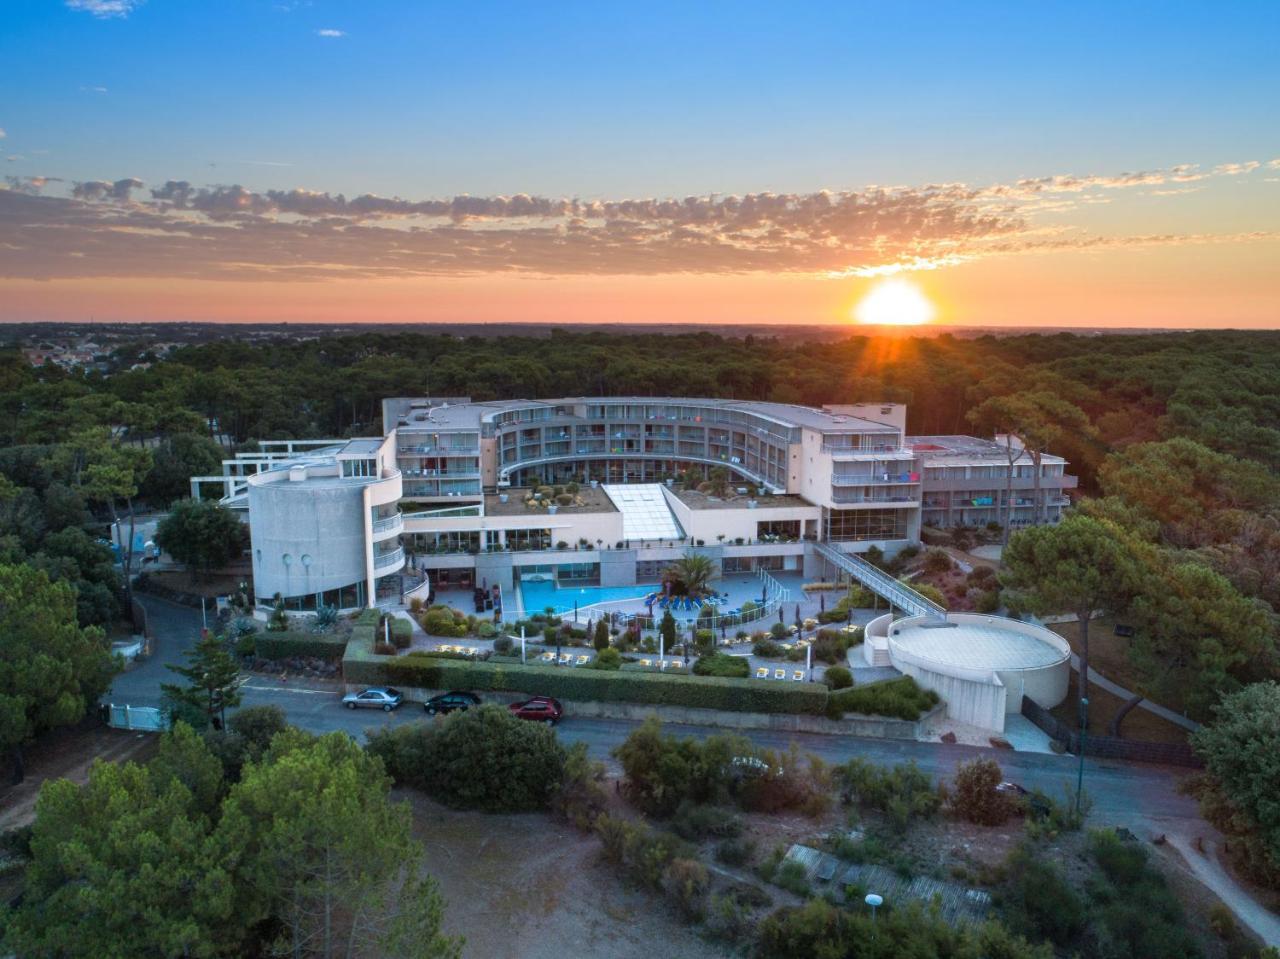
(874, 479)
(394, 522)
(389, 558)
(881, 583)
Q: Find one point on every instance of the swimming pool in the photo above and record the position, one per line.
(540, 593)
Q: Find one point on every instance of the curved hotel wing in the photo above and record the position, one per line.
(447, 485)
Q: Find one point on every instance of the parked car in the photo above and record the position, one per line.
(377, 697)
(542, 709)
(448, 702)
(1012, 789)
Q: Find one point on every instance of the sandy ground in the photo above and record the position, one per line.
(531, 887)
(68, 753)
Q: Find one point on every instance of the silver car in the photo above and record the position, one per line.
(378, 697)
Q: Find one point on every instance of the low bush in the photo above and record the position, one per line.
(768, 649)
(792, 877)
(1038, 902)
(486, 630)
(937, 560)
(903, 792)
(686, 883)
(401, 633)
(503, 645)
(580, 797)
(837, 677)
(481, 758)
(735, 852)
(638, 852)
(443, 621)
(384, 649)
(288, 645)
(696, 822)
(607, 659)
(721, 664)
(974, 796)
(899, 698)
(1134, 911)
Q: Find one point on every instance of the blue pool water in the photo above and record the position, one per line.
(539, 594)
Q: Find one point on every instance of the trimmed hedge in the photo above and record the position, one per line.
(290, 644)
(430, 672)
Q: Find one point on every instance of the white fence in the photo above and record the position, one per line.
(147, 718)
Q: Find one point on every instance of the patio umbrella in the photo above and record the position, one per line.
(822, 602)
(575, 610)
(779, 614)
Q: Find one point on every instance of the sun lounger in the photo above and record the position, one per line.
(583, 660)
(565, 658)
(646, 662)
(798, 675)
(779, 674)
(548, 657)
(674, 664)
(762, 672)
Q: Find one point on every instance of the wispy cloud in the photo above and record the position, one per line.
(93, 89)
(226, 231)
(330, 32)
(2, 133)
(105, 9)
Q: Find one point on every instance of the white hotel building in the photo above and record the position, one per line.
(443, 492)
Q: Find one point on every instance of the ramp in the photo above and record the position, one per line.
(881, 583)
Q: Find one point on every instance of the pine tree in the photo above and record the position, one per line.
(213, 680)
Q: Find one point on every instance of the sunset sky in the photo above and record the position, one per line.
(1023, 164)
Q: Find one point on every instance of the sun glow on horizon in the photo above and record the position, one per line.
(894, 301)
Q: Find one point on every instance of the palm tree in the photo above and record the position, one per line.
(690, 574)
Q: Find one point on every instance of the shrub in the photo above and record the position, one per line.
(600, 638)
(937, 561)
(898, 698)
(791, 876)
(697, 822)
(325, 619)
(257, 726)
(768, 649)
(721, 664)
(638, 852)
(974, 796)
(778, 631)
(988, 601)
(735, 851)
(1038, 902)
(838, 677)
(443, 621)
(1132, 904)
(247, 644)
(503, 645)
(486, 629)
(481, 758)
(580, 798)
(829, 645)
(384, 649)
(686, 883)
(401, 633)
(607, 659)
(293, 644)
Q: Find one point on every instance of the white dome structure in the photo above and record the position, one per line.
(981, 666)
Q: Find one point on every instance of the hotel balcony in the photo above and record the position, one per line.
(389, 561)
(387, 527)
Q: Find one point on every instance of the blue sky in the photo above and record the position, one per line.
(597, 99)
(196, 159)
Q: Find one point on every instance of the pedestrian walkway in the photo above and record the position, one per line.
(1025, 736)
(1264, 923)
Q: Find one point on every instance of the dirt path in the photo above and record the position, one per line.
(68, 754)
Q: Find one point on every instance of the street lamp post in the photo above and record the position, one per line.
(1084, 732)
(875, 902)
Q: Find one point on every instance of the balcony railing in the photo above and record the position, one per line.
(874, 498)
(383, 560)
(874, 479)
(894, 452)
(387, 523)
(439, 450)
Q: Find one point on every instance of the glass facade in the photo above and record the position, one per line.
(855, 525)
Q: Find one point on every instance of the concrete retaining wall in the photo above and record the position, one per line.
(871, 727)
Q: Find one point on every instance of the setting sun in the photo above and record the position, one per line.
(894, 302)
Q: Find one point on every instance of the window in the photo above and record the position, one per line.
(852, 525)
(359, 468)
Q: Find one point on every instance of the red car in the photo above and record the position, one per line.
(541, 709)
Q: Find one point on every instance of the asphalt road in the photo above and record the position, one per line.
(1142, 797)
